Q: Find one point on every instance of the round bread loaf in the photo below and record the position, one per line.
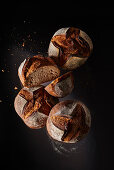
(70, 47)
(33, 105)
(69, 121)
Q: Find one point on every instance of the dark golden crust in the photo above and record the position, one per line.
(28, 108)
(73, 122)
(51, 60)
(33, 63)
(64, 76)
(70, 44)
(60, 121)
(55, 59)
(77, 124)
(39, 61)
(38, 103)
(26, 94)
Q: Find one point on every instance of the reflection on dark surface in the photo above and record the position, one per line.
(80, 154)
(67, 149)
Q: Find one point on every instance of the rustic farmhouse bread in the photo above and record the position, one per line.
(62, 86)
(69, 121)
(37, 70)
(70, 47)
(33, 105)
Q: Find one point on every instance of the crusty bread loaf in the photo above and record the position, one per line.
(37, 70)
(62, 86)
(69, 121)
(72, 59)
(33, 105)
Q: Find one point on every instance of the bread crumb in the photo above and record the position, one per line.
(23, 44)
(3, 71)
(15, 88)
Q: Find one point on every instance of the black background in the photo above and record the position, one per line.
(34, 24)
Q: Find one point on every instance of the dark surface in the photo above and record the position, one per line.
(23, 148)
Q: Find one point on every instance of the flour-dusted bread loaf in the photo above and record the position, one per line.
(37, 70)
(69, 121)
(33, 105)
(62, 86)
(70, 47)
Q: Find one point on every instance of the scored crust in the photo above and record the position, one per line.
(65, 107)
(36, 120)
(33, 105)
(52, 50)
(62, 86)
(37, 70)
(22, 98)
(74, 61)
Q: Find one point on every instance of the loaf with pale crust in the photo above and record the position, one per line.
(37, 70)
(69, 121)
(74, 43)
(33, 105)
(62, 86)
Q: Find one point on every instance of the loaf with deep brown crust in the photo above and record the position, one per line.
(33, 105)
(37, 70)
(70, 47)
(62, 86)
(69, 121)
